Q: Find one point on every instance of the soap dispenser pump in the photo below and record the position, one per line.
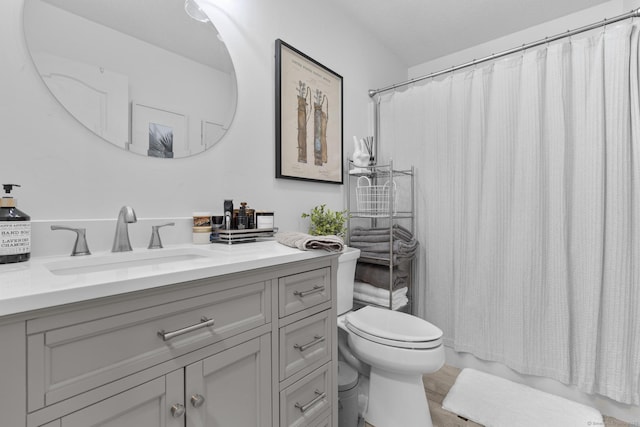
(15, 229)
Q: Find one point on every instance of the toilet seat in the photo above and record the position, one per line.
(393, 328)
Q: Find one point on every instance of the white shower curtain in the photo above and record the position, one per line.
(529, 208)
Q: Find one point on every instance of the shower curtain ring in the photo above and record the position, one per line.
(570, 36)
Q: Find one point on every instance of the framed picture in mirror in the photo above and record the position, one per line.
(157, 132)
(308, 118)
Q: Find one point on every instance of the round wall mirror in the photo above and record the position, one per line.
(141, 74)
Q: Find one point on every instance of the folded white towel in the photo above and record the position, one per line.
(365, 288)
(304, 241)
(384, 302)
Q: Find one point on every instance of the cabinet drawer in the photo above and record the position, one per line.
(147, 405)
(304, 401)
(69, 360)
(305, 343)
(323, 422)
(301, 291)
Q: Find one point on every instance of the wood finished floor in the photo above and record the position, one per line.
(437, 386)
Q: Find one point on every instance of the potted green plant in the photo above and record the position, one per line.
(325, 222)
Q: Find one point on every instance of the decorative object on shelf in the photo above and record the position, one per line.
(363, 152)
(361, 155)
(304, 89)
(373, 199)
(326, 222)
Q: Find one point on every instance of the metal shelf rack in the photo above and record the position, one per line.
(386, 211)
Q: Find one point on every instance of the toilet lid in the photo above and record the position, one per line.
(393, 328)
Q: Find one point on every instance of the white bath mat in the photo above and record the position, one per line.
(495, 402)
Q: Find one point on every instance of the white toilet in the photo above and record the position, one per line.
(398, 347)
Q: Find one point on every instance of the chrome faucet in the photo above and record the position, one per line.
(121, 241)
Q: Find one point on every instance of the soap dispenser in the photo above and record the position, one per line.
(15, 230)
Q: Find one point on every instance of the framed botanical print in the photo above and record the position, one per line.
(308, 118)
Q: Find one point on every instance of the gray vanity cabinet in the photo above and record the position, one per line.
(231, 388)
(141, 406)
(247, 349)
(307, 349)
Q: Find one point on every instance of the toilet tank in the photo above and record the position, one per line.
(346, 275)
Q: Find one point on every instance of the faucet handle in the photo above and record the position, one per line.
(80, 247)
(155, 242)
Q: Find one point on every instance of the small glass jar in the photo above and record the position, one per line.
(264, 220)
(201, 235)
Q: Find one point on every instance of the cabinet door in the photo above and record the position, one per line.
(147, 405)
(231, 388)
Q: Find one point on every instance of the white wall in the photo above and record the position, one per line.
(588, 16)
(67, 173)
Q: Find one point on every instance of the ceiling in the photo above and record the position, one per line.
(422, 30)
(416, 30)
(157, 22)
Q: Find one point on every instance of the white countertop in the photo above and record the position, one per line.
(32, 285)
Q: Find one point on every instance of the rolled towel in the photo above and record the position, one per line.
(304, 241)
(376, 234)
(400, 247)
(379, 275)
(397, 259)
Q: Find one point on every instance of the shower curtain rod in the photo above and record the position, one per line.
(568, 33)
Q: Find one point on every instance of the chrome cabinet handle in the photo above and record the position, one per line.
(177, 410)
(318, 339)
(314, 290)
(80, 247)
(155, 242)
(318, 398)
(197, 400)
(204, 322)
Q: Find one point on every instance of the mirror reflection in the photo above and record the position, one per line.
(142, 74)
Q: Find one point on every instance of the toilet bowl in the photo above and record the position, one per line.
(397, 347)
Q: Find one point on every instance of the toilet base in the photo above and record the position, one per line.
(397, 400)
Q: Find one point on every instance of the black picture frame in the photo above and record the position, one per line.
(309, 122)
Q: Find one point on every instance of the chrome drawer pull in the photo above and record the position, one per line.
(318, 339)
(315, 290)
(318, 398)
(204, 322)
